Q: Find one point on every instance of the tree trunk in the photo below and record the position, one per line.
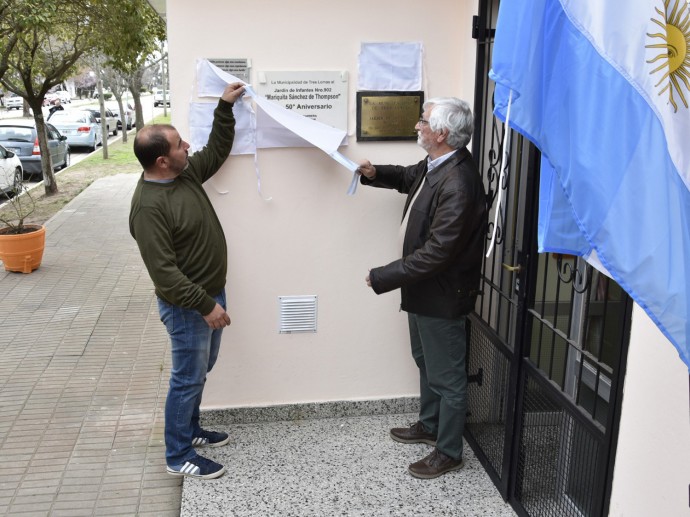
(134, 83)
(46, 163)
(123, 115)
(104, 125)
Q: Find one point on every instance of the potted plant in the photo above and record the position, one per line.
(21, 245)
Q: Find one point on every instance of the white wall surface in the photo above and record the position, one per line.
(311, 238)
(652, 472)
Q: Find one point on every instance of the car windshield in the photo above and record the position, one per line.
(16, 134)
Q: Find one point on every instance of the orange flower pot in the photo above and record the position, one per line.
(22, 252)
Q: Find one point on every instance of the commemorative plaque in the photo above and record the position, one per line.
(388, 115)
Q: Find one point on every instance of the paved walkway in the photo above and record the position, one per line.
(83, 371)
(84, 365)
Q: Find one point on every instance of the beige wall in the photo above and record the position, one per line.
(652, 469)
(311, 238)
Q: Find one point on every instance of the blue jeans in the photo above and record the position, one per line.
(439, 349)
(195, 348)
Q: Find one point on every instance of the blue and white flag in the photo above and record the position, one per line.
(602, 88)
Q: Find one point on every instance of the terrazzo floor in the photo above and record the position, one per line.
(334, 466)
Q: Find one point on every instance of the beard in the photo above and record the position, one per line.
(421, 143)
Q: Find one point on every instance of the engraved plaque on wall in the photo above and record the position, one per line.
(388, 115)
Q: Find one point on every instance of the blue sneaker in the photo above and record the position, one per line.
(210, 439)
(198, 467)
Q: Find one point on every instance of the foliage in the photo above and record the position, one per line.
(141, 35)
(20, 205)
(8, 36)
(130, 52)
(51, 37)
(42, 42)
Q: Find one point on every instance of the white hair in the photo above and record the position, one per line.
(454, 115)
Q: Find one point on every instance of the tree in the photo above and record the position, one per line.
(8, 35)
(43, 40)
(130, 51)
(116, 81)
(135, 82)
(84, 82)
(51, 36)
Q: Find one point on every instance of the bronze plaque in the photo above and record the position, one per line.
(388, 115)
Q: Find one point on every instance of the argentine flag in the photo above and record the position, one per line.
(602, 88)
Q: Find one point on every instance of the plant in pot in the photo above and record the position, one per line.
(21, 245)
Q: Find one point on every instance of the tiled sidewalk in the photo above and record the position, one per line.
(83, 371)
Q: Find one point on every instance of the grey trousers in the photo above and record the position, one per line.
(438, 349)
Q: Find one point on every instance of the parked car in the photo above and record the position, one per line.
(110, 119)
(49, 99)
(14, 102)
(19, 136)
(64, 96)
(11, 170)
(80, 127)
(129, 114)
(158, 97)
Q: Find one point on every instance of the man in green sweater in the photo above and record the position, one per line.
(183, 247)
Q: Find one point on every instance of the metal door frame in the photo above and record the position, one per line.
(506, 376)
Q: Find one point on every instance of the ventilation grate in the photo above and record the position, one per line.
(297, 314)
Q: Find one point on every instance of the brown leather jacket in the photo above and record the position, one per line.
(444, 242)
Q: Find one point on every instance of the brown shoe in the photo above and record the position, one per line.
(435, 465)
(416, 433)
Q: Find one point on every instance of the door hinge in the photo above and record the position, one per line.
(475, 27)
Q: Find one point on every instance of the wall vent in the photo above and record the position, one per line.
(297, 314)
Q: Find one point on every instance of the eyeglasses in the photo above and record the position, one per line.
(423, 122)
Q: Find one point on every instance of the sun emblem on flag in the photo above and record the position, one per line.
(674, 51)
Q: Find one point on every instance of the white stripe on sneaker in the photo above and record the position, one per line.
(190, 469)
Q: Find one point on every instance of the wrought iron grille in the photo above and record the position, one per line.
(487, 396)
(558, 465)
(578, 321)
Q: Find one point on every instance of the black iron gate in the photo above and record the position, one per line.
(547, 344)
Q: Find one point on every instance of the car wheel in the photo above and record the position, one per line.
(18, 178)
(67, 160)
(115, 131)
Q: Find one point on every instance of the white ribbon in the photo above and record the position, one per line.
(212, 81)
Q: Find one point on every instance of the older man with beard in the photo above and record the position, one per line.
(442, 232)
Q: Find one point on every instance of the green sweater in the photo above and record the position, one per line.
(178, 232)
